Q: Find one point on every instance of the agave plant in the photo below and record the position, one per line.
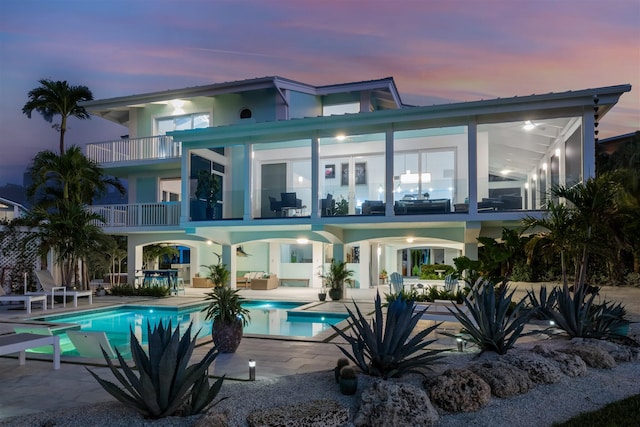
(387, 348)
(544, 303)
(166, 385)
(579, 316)
(491, 321)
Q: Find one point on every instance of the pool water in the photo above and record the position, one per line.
(267, 318)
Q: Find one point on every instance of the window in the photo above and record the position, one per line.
(338, 109)
(190, 121)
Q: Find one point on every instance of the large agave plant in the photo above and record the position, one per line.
(166, 385)
(579, 316)
(386, 348)
(544, 303)
(491, 321)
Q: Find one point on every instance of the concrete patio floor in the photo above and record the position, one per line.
(36, 387)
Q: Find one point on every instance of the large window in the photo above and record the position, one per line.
(186, 122)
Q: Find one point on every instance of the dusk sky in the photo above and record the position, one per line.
(438, 51)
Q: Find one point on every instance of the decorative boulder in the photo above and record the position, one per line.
(213, 419)
(391, 404)
(570, 364)
(504, 379)
(620, 353)
(459, 390)
(316, 413)
(593, 355)
(540, 370)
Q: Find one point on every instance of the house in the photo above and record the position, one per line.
(296, 175)
(10, 210)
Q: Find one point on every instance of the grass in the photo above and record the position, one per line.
(623, 413)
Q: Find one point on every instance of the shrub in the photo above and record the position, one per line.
(387, 348)
(126, 290)
(493, 323)
(166, 386)
(428, 271)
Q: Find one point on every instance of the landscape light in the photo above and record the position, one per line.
(252, 370)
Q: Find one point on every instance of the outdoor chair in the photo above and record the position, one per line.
(450, 283)
(28, 300)
(51, 288)
(89, 344)
(396, 283)
(275, 206)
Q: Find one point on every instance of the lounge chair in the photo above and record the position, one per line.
(26, 299)
(450, 283)
(89, 344)
(18, 343)
(51, 288)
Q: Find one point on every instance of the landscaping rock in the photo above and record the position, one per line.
(316, 413)
(459, 390)
(213, 419)
(593, 355)
(620, 353)
(540, 370)
(391, 404)
(570, 364)
(504, 379)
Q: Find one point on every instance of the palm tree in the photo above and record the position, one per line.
(595, 215)
(70, 177)
(54, 98)
(559, 237)
(72, 232)
(151, 253)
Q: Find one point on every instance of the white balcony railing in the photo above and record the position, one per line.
(147, 148)
(139, 214)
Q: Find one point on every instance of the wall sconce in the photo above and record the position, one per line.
(252, 370)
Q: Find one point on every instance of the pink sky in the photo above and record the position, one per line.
(437, 51)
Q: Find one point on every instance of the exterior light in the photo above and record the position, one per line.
(252, 370)
(209, 242)
(409, 239)
(303, 241)
(544, 166)
(341, 137)
(505, 172)
(526, 185)
(528, 125)
(534, 177)
(557, 152)
(460, 344)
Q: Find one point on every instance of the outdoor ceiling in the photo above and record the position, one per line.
(514, 148)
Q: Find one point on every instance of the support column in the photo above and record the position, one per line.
(471, 233)
(472, 167)
(388, 167)
(588, 145)
(315, 160)
(248, 185)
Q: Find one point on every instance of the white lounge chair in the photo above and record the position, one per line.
(51, 288)
(26, 299)
(88, 344)
(396, 283)
(18, 343)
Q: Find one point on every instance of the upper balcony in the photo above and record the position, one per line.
(135, 149)
(137, 215)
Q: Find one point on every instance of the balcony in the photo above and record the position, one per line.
(146, 148)
(138, 215)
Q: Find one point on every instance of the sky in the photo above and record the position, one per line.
(438, 51)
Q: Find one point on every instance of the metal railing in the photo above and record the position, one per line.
(138, 214)
(147, 148)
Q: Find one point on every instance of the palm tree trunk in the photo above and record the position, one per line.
(63, 129)
(563, 267)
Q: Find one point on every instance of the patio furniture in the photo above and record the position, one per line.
(265, 283)
(19, 343)
(275, 206)
(327, 206)
(50, 288)
(245, 281)
(201, 282)
(90, 343)
(290, 203)
(373, 207)
(450, 283)
(27, 300)
(422, 206)
(396, 283)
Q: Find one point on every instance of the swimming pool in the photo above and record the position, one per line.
(271, 318)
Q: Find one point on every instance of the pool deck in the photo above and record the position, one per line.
(29, 388)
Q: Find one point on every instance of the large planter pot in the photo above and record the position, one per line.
(322, 296)
(227, 336)
(335, 294)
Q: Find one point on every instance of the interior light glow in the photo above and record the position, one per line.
(300, 179)
(557, 152)
(544, 166)
(534, 177)
(526, 185)
(414, 178)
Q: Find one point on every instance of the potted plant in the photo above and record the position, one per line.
(229, 317)
(207, 190)
(322, 295)
(218, 273)
(383, 276)
(335, 278)
(342, 207)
